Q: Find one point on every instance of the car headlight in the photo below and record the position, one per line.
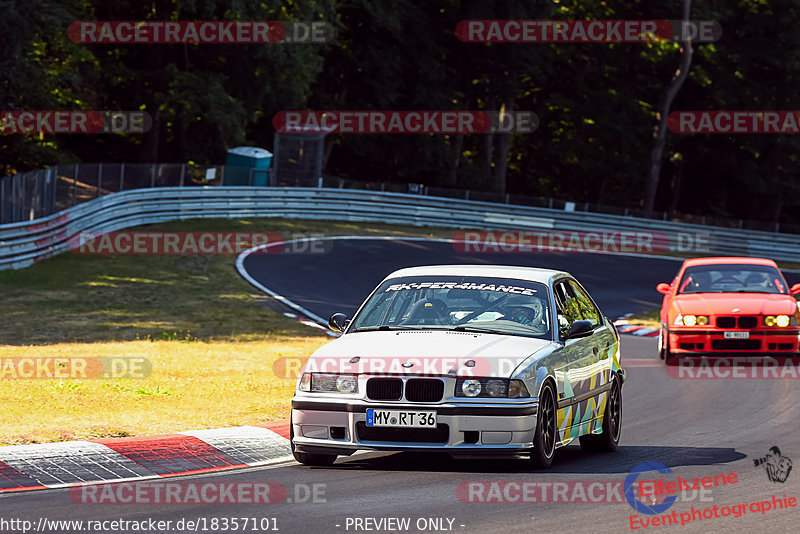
(469, 388)
(691, 320)
(517, 389)
(777, 320)
(305, 382)
(491, 387)
(328, 383)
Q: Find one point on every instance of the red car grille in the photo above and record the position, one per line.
(746, 322)
(736, 344)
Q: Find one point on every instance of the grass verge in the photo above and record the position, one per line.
(211, 344)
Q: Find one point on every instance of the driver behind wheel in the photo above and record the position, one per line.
(523, 311)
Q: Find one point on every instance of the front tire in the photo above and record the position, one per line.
(664, 353)
(544, 440)
(305, 458)
(612, 424)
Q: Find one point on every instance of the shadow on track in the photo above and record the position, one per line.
(569, 460)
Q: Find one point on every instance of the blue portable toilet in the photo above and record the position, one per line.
(244, 160)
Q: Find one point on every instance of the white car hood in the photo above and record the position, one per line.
(429, 352)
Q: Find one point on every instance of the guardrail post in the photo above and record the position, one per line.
(550, 203)
(53, 190)
(99, 178)
(319, 182)
(466, 194)
(183, 173)
(75, 185)
(122, 177)
(222, 175)
(508, 198)
(153, 175)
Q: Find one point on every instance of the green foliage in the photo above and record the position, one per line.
(597, 102)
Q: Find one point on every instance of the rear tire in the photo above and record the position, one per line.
(544, 440)
(612, 424)
(306, 458)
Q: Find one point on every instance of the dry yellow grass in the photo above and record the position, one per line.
(192, 385)
(210, 343)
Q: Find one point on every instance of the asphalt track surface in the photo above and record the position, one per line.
(339, 279)
(696, 428)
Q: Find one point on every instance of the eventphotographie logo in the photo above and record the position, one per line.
(776, 465)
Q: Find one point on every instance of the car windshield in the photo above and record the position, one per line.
(732, 278)
(467, 303)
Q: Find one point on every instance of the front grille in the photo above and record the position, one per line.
(748, 322)
(424, 390)
(735, 344)
(726, 322)
(440, 434)
(384, 388)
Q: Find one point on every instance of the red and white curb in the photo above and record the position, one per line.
(626, 327)
(74, 463)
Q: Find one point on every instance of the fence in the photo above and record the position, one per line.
(24, 243)
(37, 194)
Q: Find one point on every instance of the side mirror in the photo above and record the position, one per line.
(664, 288)
(795, 289)
(579, 329)
(338, 322)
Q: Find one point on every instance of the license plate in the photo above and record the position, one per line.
(401, 418)
(736, 335)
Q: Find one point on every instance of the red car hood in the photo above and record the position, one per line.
(743, 303)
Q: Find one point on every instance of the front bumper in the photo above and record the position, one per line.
(464, 429)
(767, 341)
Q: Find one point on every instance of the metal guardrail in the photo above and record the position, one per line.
(24, 243)
(37, 194)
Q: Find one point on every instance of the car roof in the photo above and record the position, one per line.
(532, 274)
(726, 260)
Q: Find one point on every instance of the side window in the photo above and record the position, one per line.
(586, 307)
(567, 307)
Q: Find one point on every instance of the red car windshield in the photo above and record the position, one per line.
(732, 278)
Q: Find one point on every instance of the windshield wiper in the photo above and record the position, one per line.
(382, 328)
(480, 330)
(373, 328)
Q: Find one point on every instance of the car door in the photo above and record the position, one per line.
(602, 344)
(573, 366)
